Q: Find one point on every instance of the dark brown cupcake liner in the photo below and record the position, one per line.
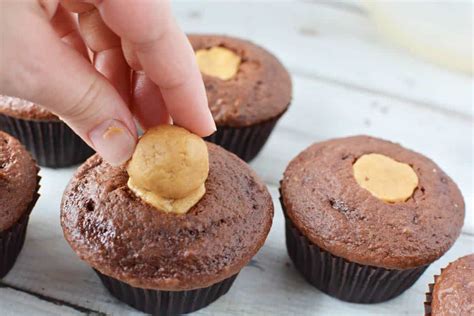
(429, 296)
(163, 303)
(245, 142)
(51, 143)
(13, 238)
(345, 280)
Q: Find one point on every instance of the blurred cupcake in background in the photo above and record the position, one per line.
(50, 141)
(248, 91)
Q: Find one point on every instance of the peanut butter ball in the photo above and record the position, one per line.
(169, 167)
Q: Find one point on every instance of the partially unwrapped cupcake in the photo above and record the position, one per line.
(169, 232)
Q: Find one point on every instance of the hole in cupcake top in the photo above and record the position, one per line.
(90, 206)
(218, 62)
(385, 178)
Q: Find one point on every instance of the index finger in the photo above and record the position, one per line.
(166, 56)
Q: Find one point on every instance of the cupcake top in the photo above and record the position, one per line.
(453, 292)
(373, 202)
(245, 84)
(18, 180)
(124, 237)
(24, 109)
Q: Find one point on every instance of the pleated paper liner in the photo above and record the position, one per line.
(13, 238)
(51, 143)
(245, 142)
(429, 296)
(163, 303)
(345, 280)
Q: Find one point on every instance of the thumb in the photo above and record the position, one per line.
(39, 67)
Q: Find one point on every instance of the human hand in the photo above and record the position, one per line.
(44, 58)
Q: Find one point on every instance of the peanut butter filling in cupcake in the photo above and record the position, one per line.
(365, 217)
(248, 90)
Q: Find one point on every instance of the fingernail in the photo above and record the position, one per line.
(113, 141)
(211, 124)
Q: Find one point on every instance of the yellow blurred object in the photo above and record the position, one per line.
(438, 31)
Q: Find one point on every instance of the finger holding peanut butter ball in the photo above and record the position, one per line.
(168, 168)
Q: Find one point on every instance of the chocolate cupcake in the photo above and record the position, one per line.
(453, 290)
(19, 184)
(167, 256)
(248, 91)
(51, 142)
(365, 217)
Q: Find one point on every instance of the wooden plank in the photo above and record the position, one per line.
(331, 43)
(14, 303)
(64, 277)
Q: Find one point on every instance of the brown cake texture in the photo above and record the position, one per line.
(325, 203)
(123, 237)
(260, 91)
(24, 109)
(453, 291)
(18, 181)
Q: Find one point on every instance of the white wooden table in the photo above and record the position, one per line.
(347, 80)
